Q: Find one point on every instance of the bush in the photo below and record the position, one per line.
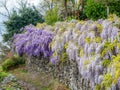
(2, 75)
(51, 16)
(12, 62)
(94, 10)
(115, 8)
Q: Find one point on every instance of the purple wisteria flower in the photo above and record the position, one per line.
(54, 60)
(33, 42)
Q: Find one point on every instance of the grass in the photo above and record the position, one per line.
(39, 80)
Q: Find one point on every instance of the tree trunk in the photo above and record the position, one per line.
(108, 11)
(65, 4)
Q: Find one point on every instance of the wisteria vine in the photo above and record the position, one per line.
(95, 45)
(33, 42)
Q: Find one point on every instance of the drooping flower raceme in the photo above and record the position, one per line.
(33, 42)
(92, 44)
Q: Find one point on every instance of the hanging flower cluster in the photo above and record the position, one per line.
(34, 41)
(92, 44)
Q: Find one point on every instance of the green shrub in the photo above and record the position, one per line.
(20, 18)
(2, 75)
(12, 62)
(115, 8)
(82, 15)
(51, 16)
(69, 18)
(94, 10)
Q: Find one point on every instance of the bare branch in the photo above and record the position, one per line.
(4, 5)
(22, 3)
(5, 15)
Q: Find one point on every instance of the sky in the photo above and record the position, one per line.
(10, 5)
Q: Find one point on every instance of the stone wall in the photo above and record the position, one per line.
(34, 64)
(67, 72)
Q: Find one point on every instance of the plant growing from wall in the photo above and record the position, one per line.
(94, 45)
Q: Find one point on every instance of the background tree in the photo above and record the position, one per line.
(46, 5)
(19, 19)
(70, 8)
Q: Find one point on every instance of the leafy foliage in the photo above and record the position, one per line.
(92, 8)
(12, 62)
(108, 4)
(96, 9)
(114, 7)
(2, 75)
(116, 65)
(18, 20)
(90, 43)
(107, 81)
(51, 16)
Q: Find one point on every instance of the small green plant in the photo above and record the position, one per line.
(51, 16)
(2, 75)
(63, 57)
(97, 87)
(69, 18)
(12, 62)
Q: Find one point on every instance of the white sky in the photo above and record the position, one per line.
(11, 4)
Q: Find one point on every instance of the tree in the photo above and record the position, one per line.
(64, 4)
(46, 5)
(19, 19)
(70, 8)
